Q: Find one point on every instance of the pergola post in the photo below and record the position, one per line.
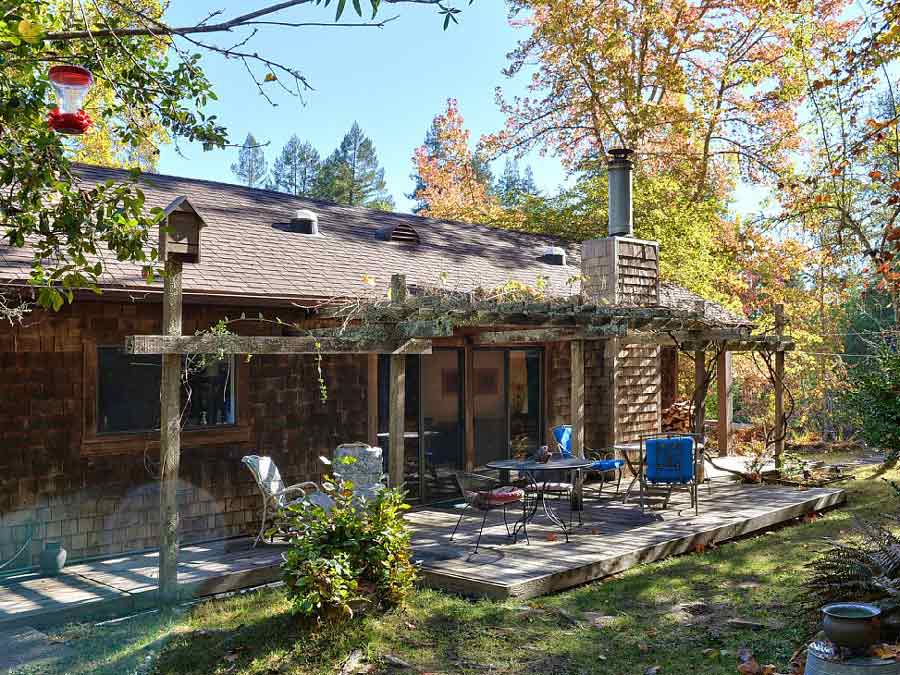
(396, 432)
(780, 430)
(469, 405)
(170, 438)
(724, 385)
(700, 386)
(397, 443)
(372, 398)
(577, 396)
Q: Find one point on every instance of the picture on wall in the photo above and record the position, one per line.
(487, 381)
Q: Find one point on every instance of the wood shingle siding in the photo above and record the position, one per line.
(98, 493)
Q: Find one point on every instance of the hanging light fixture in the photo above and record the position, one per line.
(71, 84)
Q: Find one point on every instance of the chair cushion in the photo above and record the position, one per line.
(670, 460)
(549, 487)
(607, 464)
(502, 495)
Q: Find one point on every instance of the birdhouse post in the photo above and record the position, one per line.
(179, 243)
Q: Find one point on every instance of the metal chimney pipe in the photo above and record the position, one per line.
(620, 167)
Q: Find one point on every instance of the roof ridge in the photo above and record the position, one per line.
(361, 210)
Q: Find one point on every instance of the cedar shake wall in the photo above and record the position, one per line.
(598, 403)
(638, 382)
(100, 496)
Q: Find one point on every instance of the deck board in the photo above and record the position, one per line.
(614, 537)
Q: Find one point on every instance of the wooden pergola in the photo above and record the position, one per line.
(409, 323)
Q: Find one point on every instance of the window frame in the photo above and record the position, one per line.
(96, 443)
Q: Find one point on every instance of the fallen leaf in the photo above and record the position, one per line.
(551, 536)
(651, 632)
(711, 653)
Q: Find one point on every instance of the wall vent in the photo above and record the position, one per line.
(401, 234)
(554, 255)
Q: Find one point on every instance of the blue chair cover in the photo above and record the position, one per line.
(670, 460)
(563, 436)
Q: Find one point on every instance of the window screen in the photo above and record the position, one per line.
(128, 392)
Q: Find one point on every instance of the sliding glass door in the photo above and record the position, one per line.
(507, 414)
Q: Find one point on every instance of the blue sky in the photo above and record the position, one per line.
(391, 80)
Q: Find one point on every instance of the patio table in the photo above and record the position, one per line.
(530, 468)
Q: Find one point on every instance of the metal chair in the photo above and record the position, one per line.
(670, 461)
(485, 494)
(274, 493)
(606, 460)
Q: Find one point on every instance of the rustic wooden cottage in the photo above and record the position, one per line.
(79, 420)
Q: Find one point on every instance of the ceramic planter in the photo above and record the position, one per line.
(854, 625)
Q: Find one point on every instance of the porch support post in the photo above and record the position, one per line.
(372, 399)
(610, 367)
(726, 402)
(469, 405)
(170, 439)
(700, 386)
(577, 397)
(397, 458)
(398, 417)
(779, 390)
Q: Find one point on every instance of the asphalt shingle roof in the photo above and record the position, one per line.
(248, 251)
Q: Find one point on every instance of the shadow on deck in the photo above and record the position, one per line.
(614, 537)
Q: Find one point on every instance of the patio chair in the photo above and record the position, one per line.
(274, 493)
(365, 470)
(670, 461)
(605, 463)
(485, 494)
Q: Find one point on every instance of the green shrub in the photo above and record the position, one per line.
(354, 553)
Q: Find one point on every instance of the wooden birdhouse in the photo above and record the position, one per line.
(179, 232)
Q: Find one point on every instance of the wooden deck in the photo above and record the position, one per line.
(118, 586)
(615, 537)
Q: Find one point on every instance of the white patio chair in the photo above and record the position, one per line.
(274, 493)
(365, 471)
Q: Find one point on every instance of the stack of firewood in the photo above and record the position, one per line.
(677, 417)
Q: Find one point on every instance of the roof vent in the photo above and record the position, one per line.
(305, 222)
(554, 255)
(402, 234)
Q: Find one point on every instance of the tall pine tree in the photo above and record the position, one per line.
(251, 165)
(296, 169)
(351, 174)
(513, 185)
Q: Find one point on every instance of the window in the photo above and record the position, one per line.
(128, 392)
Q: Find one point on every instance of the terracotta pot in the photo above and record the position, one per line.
(853, 625)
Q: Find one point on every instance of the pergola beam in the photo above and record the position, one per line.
(240, 344)
(541, 335)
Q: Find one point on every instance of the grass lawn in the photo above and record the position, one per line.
(670, 614)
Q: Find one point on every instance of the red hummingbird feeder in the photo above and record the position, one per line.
(71, 84)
